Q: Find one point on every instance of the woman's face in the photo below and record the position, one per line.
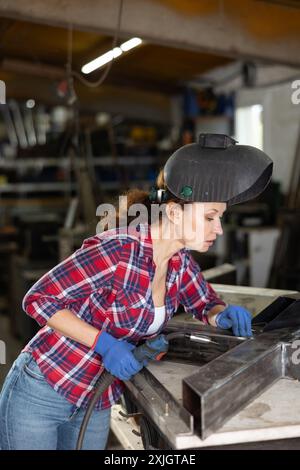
(202, 224)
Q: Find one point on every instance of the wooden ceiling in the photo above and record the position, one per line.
(34, 55)
(43, 43)
(273, 18)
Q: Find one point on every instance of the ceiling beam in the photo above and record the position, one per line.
(26, 67)
(229, 28)
(43, 70)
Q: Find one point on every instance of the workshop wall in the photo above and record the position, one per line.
(281, 122)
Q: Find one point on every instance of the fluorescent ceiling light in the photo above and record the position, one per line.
(101, 60)
(110, 55)
(133, 42)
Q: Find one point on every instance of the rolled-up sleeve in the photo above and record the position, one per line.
(196, 295)
(73, 280)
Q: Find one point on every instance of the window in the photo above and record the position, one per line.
(249, 125)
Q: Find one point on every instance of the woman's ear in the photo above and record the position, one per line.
(174, 212)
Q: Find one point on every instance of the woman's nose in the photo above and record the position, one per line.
(218, 228)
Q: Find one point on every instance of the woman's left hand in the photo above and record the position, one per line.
(237, 318)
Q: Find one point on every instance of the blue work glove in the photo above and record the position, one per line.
(237, 318)
(117, 356)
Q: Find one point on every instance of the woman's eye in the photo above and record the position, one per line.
(210, 219)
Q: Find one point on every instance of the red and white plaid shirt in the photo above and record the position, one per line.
(107, 283)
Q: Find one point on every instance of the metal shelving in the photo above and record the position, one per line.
(42, 162)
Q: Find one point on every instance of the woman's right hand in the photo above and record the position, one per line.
(117, 356)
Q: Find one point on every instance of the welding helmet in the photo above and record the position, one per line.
(216, 170)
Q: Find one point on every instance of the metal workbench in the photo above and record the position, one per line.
(273, 415)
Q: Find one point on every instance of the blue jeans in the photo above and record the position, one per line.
(34, 416)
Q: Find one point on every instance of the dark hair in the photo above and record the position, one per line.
(139, 196)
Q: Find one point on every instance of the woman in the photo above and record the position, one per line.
(122, 286)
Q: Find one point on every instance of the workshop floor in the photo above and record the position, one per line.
(13, 348)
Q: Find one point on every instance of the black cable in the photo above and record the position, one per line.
(104, 381)
(77, 75)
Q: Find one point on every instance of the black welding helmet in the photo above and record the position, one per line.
(217, 170)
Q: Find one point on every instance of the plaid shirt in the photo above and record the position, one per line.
(107, 283)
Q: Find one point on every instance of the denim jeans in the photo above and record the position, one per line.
(34, 416)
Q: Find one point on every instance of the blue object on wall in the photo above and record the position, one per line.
(190, 104)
